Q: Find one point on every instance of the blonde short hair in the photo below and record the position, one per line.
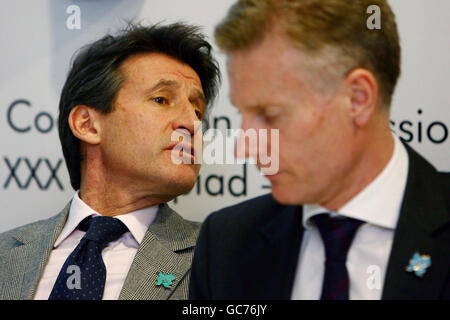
(334, 30)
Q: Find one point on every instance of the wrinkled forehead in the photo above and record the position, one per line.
(146, 67)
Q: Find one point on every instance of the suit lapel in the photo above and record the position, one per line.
(159, 252)
(27, 260)
(279, 255)
(423, 217)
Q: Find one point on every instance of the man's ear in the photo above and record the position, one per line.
(363, 89)
(84, 123)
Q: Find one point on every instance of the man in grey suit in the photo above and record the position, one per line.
(124, 99)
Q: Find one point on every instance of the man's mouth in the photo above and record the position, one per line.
(182, 151)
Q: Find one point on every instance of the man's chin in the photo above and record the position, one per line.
(182, 183)
(172, 189)
(285, 196)
(188, 172)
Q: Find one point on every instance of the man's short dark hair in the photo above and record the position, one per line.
(95, 76)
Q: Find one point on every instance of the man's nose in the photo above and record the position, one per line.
(187, 119)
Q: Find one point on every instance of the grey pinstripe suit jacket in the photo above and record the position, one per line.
(167, 247)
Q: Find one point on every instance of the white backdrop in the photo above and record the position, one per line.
(36, 49)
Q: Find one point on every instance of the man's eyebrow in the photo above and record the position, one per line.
(164, 83)
(249, 107)
(200, 96)
(253, 107)
(172, 83)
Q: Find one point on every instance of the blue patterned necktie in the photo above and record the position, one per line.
(83, 275)
(337, 235)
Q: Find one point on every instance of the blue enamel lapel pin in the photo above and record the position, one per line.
(419, 264)
(165, 279)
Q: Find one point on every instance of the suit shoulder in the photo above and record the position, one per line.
(170, 226)
(173, 217)
(26, 228)
(246, 214)
(421, 165)
(9, 238)
(428, 180)
(192, 225)
(187, 232)
(445, 178)
(256, 205)
(421, 169)
(259, 201)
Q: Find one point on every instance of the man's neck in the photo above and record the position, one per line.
(374, 158)
(113, 203)
(111, 196)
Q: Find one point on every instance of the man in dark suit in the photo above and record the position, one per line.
(354, 213)
(125, 99)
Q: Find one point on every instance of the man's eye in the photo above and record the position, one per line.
(271, 112)
(270, 117)
(161, 100)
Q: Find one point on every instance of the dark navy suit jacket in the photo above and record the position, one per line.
(250, 250)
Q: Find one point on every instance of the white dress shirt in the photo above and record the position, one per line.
(378, 205)
(117, 255)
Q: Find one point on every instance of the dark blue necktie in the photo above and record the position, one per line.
(83, 274)
(337, 235)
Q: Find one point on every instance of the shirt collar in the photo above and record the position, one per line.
(379, 202)
(137, 221)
